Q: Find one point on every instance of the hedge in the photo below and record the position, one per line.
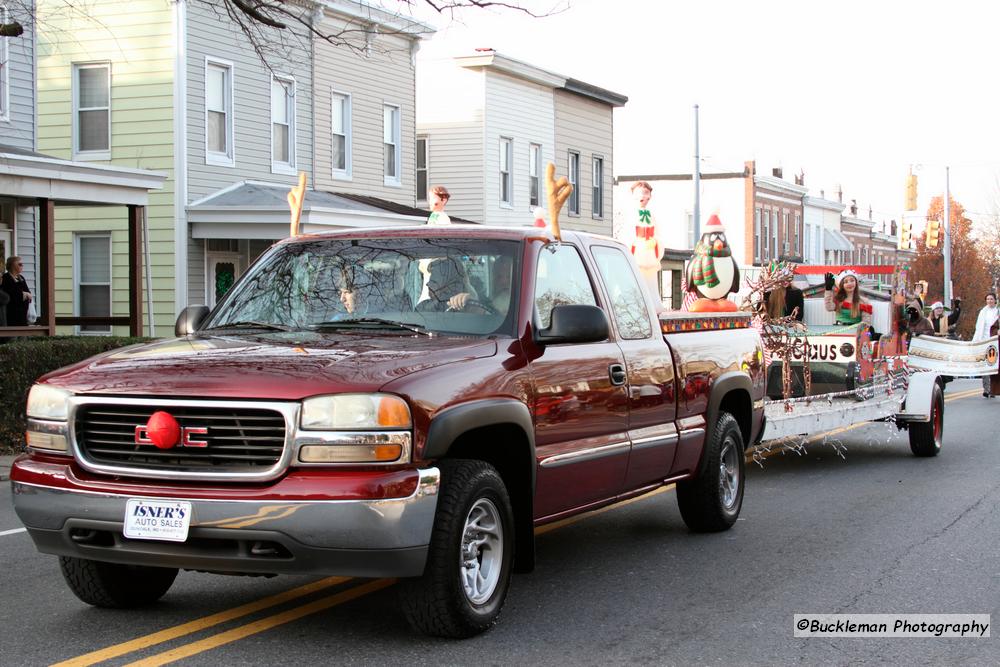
(26, 359)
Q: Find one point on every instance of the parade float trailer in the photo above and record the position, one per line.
(841, 375)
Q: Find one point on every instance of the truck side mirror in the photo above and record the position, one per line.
(190, 319)
(574, 324)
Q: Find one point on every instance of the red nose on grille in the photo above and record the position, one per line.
(163, 430)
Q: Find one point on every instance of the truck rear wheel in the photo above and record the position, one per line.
(114, 585)
(925, 438)
(711, 501)
(468, 567)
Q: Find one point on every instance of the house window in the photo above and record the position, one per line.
(534, 174)
(282, 124)
(341, 134)
(756, 235)
(597, 204)
(92, 111)
(219, 113)
(574, 179)
(506, 175)
(422, 182)
(92, 279)
(775, 247)
(4, 71)
(390, 144)
(798, 234)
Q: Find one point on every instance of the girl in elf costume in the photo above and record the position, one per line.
(646, 240)
(846, 302)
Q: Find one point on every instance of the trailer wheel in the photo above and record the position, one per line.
(711, 501)
(114, 585)
(468, 567)
(926, 438)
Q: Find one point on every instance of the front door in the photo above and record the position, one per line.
(223, 270)
(581, 415)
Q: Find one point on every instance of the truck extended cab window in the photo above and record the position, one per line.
(628, 303)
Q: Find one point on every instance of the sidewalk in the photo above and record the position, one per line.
(5, 462)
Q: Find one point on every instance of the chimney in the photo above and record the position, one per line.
(822, 194)
(854, 207)
(776, 172)
(892, 227)
(840, 194)
(869, 212)
(801, 178)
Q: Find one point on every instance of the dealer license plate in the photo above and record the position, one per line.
(157, 519)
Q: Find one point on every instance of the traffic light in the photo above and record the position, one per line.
(911, 192)
(933, 233)
(904, 234)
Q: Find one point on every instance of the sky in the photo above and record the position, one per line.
(851, 93)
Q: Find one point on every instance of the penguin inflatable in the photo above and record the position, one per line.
(712, 273)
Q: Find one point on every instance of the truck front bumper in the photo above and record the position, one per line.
(384, 537)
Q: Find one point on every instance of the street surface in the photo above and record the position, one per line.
(878, 531)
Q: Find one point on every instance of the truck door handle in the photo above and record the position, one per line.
(617, 374)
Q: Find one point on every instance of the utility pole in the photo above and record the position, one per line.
(947, 238)
(697, 180)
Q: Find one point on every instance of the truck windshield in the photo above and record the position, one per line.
(445, 285)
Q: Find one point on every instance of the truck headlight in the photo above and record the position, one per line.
(354, 412)
(48, 402)
(351, 429)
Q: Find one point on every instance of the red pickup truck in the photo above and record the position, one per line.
(407, 402)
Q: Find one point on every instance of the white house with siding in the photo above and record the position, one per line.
(17, 132)
(343, 114)
(487, 125)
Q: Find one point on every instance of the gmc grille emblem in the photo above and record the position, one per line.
(142, 437)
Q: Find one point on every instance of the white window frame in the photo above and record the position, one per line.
(397, 180)
(228, 158)
(535, 174)
(756, 235)
(78, 283)
(597, 187)
(422, 195)
(346, 173)
(506, 150)
(288, 86)
(776, 240)
(573, 176)
(4, 70)
(104, 154)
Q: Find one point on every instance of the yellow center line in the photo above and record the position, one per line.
(200, 624)
(263, 624)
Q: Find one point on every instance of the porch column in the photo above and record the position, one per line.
(46, 268)
(135, 214)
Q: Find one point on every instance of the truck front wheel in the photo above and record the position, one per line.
(711, 501)
(468, 567)
(114, 585)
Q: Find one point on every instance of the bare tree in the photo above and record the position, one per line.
(267, 24)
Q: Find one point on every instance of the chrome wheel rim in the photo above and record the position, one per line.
(481, 554)
(729, 474)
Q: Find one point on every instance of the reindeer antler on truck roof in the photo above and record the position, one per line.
(558, 192)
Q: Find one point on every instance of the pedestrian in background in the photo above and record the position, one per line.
(987, 326)
(16, 288)
(439, 197)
